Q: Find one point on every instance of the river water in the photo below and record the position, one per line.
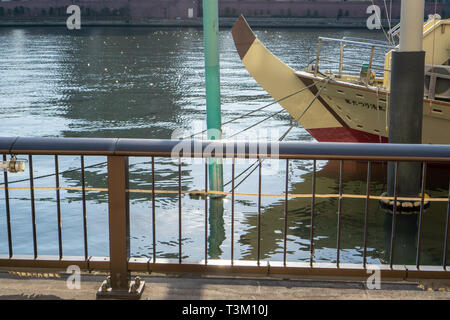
(146, 83)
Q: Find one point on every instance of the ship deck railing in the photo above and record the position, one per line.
(337, 60)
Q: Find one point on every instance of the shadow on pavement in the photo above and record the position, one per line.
(30, 297)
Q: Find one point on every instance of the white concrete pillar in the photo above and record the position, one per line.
(411, 28)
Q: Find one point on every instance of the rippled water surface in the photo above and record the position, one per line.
(145, 83)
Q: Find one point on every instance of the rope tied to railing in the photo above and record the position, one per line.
(256, 110)
(259, 162)
(210, 192)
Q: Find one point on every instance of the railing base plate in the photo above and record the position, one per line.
(134, 291)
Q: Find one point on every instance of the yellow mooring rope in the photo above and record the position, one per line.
(203, 192)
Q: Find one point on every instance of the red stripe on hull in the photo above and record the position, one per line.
(341, 134)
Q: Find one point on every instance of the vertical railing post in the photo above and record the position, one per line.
(339, 222)
(118, 221)
(422, 204)
(366, 214)
(313, 204)
(58, 207)
(286, 198)
(369, 69)
(447, 230)
(206, 211)
(258, 246)
(33, 206)
(394, 215)
(316, 69)
(8, 210)
(432, 86)
(153, 210)
(83, 196)
(232, 210)
(117, 284)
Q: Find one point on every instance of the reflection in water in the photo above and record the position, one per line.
(405, 247)
(216, 228)
(353, 210)
(100, 88)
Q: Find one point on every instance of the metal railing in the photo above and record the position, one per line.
(365, 52)
(117, 151)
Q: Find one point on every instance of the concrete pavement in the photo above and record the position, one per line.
(52, 286)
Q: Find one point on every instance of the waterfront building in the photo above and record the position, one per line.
(192, 9)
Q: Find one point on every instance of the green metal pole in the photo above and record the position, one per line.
(212, 71)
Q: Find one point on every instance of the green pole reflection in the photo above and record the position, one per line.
(216, 227)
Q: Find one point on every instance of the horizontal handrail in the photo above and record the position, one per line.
(223, 148)
(356, 65)
(395, 30)
(359, 43)
(365, 39)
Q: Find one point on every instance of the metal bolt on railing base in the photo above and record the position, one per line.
(133, 292)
